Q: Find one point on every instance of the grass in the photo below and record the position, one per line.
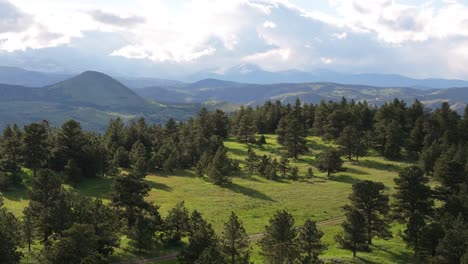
(255, 199)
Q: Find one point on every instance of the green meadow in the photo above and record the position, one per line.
(255, 200)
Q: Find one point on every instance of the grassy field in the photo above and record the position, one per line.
(256, 199)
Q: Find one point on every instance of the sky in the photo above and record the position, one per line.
(174, 38)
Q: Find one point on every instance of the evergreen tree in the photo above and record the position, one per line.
(143, 232)
(139, 160)
(48, 204)
(413, 202)
(450, 172)
(11, 155)
(251, 161)
(282, 130)
(235, 242)
(392, 148)
(367, 197)
(283, 165)
(354, 235)
(453, 246)
(349, 141)
(246, 126)
(294, 137)
(28, 227)
(177, 223)
(310, 173)
(68, 143)
(35, 145)
(278, 243)
(201, 237)
(431, 235)
(211, 255)
(329, 161)
(203, 164)
(219, 169)
(294, 173)
(75, 245)
(263, 165)
(309, 243)
(10, 236)
(128, 197)
(72, 172)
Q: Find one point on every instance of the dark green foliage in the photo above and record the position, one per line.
(235, 242)
(294, 173)
(283, 165)
(245, 125)
(220, 167)
(251, 161)
(35, 145)
(354, 235)
(309, 243)
(261, 141)
(139, 159)
(278, 243)
(10, 157)
(329, 161)
(28, 228)
(73, 246)
(143, 232)
(349, 141)
(453, 246)
(291, 134)
(263, 164)
(176, 223)
(310, 173)
(128, 196)
(201, 237)
(413, 203)
(72, 172)
(10, 236)
(368, 198)
(48, 205)
(431, 234)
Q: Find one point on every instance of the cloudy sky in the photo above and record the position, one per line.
(171, 38)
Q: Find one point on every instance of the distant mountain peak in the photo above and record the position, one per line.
(246, 68)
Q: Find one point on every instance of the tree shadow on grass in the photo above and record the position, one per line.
(159, 186)
(343, 178)
(363, 260)
(404, 257)
(356, 171)
(371, 164)
(99, 188)
(17, 193)
(248, 192)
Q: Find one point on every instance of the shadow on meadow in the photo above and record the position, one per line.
(252, 193)
(98, 188)
(372, 164)
(343, 178)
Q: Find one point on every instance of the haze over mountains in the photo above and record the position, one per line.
(93, 97)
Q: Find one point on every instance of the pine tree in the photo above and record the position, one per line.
(201, 237)
(295, 137)
(28, 227)
(277, 244)
(139, 160)
(392, 148)
(413, 202)
(203, 164)
(11, 155)
(219, 169)
(75, 245)
(309, 243)
(283, 165)
(143, 232)
(246, 126)
(128, 196)
(349, 140)
(35, 145)
(431, 235)
(261, 141)
(354, 235)
(251, 161)
(294, 173)
(263, 164)
(177, 223)
(310, 173)
(72, 172)
(453, 246)
(329, 161)
(48, 204)
(367, 197)
(235, 242)
(10, 236)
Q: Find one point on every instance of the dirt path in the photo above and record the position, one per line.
(254, 237)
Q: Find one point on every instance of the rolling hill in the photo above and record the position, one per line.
(253, 94)
(92, 98)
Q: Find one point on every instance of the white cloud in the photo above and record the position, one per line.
(362, 35)
(269, 24)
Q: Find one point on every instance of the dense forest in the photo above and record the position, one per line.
(431, 197)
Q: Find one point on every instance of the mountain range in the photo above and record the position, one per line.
(93, 97)
(246, 73)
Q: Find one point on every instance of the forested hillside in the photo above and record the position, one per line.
(361, 180)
